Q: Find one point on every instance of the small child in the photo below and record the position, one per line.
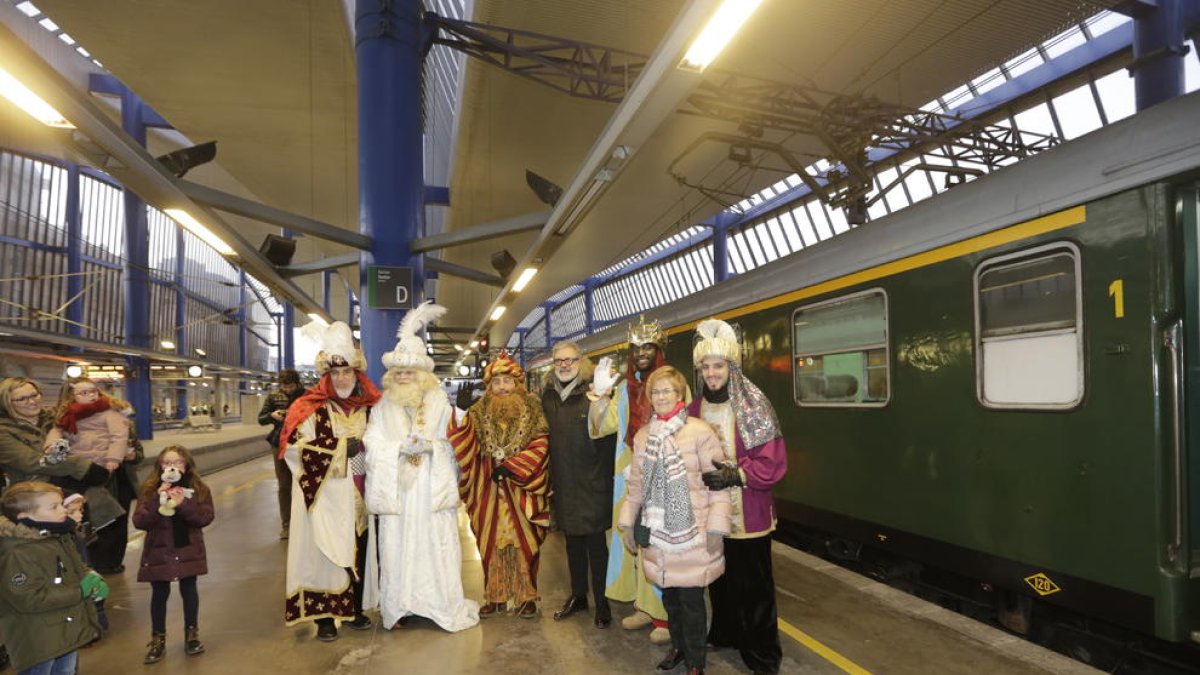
(174, 546)
(46, 601)
(84, 536)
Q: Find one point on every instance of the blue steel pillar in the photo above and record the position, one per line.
(137, 282)
(391, 183)
(546, 309)
(181, 346)
(589, 307)
(720, 241)
(74, 253)
(287, 335)
(243, 341)
(1159, 47)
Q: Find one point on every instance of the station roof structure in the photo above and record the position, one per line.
(274, 84)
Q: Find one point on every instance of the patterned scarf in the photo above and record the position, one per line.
(667, 502)
(79, 411)
(756, 421)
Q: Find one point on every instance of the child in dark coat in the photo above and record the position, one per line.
(173, 506)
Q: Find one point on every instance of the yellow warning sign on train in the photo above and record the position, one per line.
(1042, 584)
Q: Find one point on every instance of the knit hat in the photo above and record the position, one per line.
(718, 339)
(503, 365)
(410, 349)
(336, 345)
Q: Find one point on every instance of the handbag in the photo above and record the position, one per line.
(641, 533)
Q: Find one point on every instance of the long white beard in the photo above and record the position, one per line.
(407, 395)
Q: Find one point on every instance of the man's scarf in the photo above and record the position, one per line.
(564, 389)
(79, 411)
(318, 396)
(639, 403)
(666, 499)
(755, 416)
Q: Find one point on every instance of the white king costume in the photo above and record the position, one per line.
(412, 484)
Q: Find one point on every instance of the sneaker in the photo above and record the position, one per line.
(360, 622)
(660, 636)
(638, 619)
(326, 631)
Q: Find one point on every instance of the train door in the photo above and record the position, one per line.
(1185, 493)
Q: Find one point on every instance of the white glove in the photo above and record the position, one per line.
(605, 377)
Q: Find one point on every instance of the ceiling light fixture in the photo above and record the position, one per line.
(498, 312)
(35, 106)
(473, 344)
(189, 223)
(166, 344)
(717, 33)
(201, 352)
(523, 280)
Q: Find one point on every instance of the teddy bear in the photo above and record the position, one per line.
(166, 506)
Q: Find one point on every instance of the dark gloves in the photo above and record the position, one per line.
(726, 476)
(353, 447)
(96, 475)
(502, 472)
(464, 397)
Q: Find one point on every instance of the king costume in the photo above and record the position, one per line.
(328, 569)
(412, 483)
(505, 484)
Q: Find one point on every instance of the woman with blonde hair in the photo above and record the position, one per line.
(677, 520)
(23, 425)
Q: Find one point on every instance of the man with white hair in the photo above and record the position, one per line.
(321, 441)
(412, 483)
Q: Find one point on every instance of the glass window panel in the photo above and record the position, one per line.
(778, 238)
(1025, 297)
(1023, 63)
(1036, 119)
(988, 81)
(1106, 21)
(1191, 68)
(840, 352)
(1116, 94)
(1064, 42)
(1077, 113)
(836, 216)
(817, 213)
(791, 229)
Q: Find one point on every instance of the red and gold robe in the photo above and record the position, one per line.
(516, 510)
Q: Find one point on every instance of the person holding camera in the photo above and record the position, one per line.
(274, 409)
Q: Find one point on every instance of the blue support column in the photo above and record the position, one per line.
(589, 308)
(243, 341)
(74, 257)
(1159, 47)
(137, 282)
(287, 335)
(546, 308)
(181, 346)
(388, 46)
(720, 253)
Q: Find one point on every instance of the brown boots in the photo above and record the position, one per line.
(191, 641)
(158, 645)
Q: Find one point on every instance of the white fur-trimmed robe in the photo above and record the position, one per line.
(420, 560)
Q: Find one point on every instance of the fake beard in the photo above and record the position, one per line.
(408, 395)
(506, 408)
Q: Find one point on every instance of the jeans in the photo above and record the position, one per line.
(63, 665)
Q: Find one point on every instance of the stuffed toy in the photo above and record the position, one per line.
(166, 506)
(56, 452)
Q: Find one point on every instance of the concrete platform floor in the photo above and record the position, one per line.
(832, 621)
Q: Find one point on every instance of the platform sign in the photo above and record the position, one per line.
(389, 287)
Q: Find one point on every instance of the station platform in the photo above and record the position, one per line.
(832, 621)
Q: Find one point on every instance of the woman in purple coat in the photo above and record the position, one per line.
(173, 506)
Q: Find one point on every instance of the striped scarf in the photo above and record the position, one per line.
(667, 502)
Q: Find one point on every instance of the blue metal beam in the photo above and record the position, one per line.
(103, 83)
(137, 281)
(437, 195)
(74, 249)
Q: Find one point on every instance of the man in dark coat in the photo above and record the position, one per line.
(581, 476)
(274, 409)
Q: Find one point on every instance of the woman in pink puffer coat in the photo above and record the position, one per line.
(668, 510)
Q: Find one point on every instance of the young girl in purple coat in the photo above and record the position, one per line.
(174, 546)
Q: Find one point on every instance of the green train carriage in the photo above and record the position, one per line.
(1002, 381)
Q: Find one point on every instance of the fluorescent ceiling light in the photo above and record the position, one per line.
(498, 312)
(166, 344)
(24, 98)
(318, 319)
(524, 279)
(717, 33)
(192, 225)
(458, 347)
(29, 9)
(66, 38)
(474, 344)
(49, 25)
(201, 352)
(466, 352)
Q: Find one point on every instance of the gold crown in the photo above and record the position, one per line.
(647, 332)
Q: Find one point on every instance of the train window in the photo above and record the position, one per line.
(840, 352)
(1028, 315)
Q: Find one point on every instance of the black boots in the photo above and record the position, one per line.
(361, 622)
(674, 658)
(326, 630)
(191, 641)
(603, 615)
(575, 603)
(155, 649)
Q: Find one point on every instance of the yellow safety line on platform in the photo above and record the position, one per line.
(824, 652)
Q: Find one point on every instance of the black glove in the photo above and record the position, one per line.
(502, 472)
(353, 447)
(726, 476)
(463, 398)
(96, 475)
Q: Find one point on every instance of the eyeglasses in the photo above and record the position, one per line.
(86, 392)
(31, 397)
(177, 463)
(662, 392)
(565, 362)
